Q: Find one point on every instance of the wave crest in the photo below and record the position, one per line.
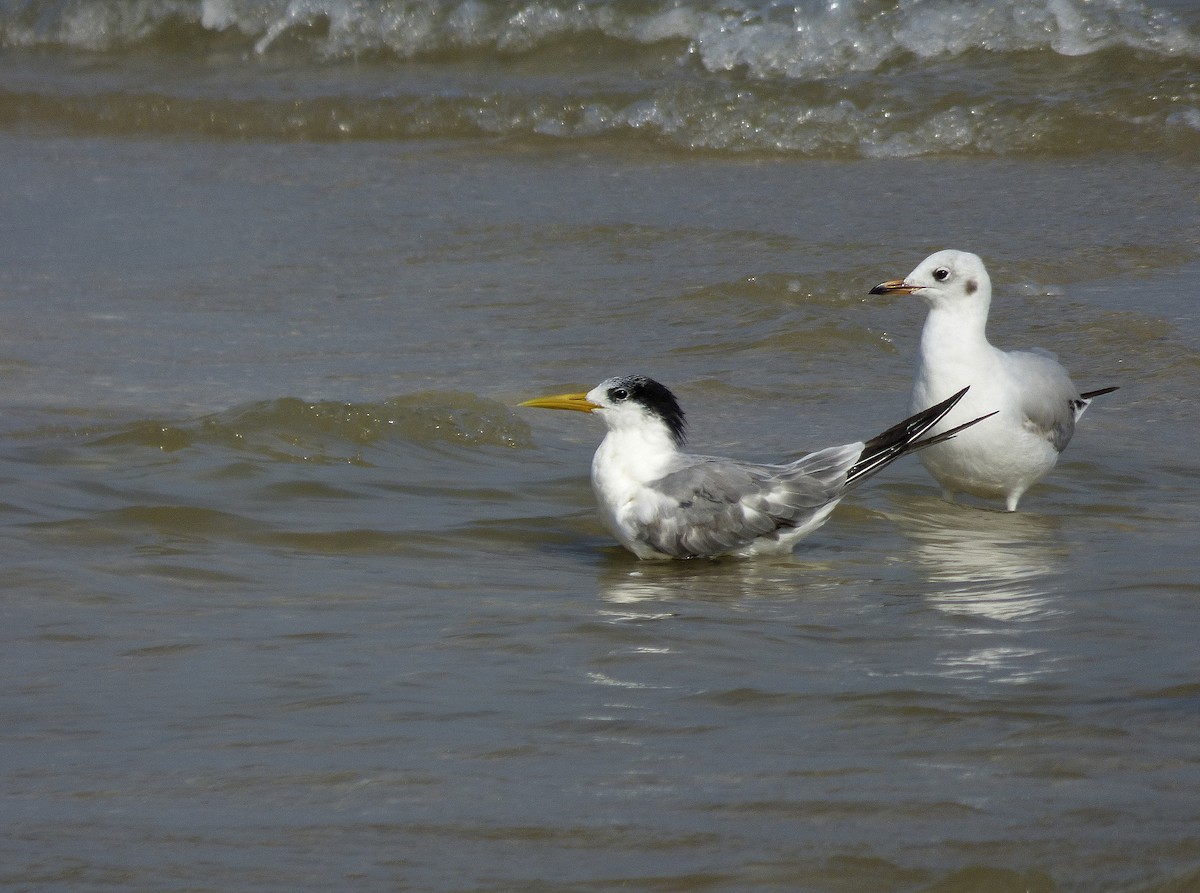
(291, 429)
(768, 38)
(823, 79)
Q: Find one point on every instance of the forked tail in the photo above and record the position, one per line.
(904, 438)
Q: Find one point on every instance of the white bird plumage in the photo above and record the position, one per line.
(1035, 401)
(661, 502)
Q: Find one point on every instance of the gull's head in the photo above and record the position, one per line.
(944, 279)
(626, 403)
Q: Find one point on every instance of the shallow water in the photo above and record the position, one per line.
(295, 597)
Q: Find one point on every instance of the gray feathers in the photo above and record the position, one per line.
(713, 506)
(706, 506)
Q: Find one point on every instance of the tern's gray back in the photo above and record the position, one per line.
(715, 505)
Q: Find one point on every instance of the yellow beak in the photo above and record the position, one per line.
(578, 402)
(893, 287)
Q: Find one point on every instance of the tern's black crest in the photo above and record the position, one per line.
(657, 398)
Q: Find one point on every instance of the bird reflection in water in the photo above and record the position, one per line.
(726, 581)
(995, 573)
(993, 565)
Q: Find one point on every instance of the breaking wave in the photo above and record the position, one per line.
(832, 78)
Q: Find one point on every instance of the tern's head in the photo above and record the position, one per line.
(627, 402)
(944, 279)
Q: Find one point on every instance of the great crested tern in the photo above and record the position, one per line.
(661, 502)
(1036, 404)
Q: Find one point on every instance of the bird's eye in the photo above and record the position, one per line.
(941, 274)
(618, 393)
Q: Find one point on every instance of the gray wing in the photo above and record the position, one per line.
(720, 505)
(1048, 398)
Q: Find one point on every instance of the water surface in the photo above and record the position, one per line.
(296, 598)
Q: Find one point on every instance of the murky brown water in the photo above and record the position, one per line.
(296, 599)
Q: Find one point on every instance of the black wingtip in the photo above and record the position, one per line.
(904, 438)
(946, 435)
(1088, 395)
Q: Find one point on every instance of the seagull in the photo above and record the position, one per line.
(661, 502)
(1036, 404)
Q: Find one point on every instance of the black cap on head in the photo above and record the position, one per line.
(657, 398)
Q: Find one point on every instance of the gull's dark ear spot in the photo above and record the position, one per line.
(972, 286)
